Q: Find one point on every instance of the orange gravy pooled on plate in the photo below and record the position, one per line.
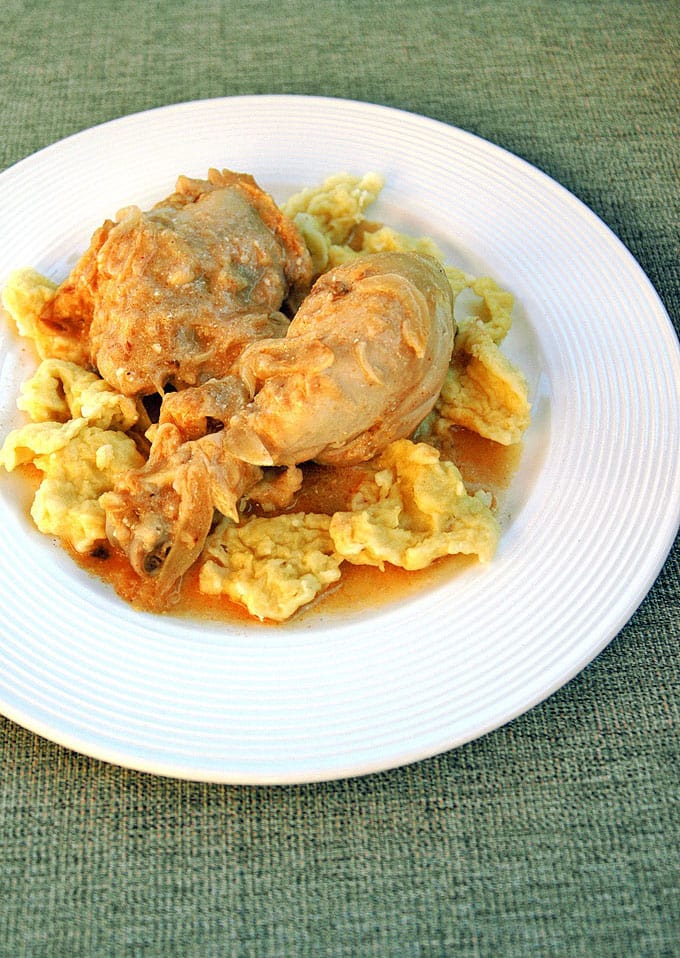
(483, 464)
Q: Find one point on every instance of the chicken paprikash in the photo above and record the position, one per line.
(228, 343)
(174, 295)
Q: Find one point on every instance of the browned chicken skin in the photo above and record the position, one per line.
(175, 294)
(361, 365)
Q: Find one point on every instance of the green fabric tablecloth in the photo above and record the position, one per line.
(555, 835)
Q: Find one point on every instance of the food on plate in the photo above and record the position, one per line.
(331, 218)
(410, 510)
(272, 566)
(78, 463)
(362, 363)
(80, 439)
(173, 295)
(261, 395)
(483, 390)
(413, 508)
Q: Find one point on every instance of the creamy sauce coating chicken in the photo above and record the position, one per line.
(362, 364)
(232, 395)
(174, 295)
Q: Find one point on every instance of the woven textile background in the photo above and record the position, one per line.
(556, 835)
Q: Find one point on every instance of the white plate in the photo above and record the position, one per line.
(592, 514)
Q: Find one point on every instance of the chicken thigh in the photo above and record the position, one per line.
(174, 295)
(362, 364)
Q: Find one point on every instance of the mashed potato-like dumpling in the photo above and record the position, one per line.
(61, 390)
(414, 510)
(77, 440)
(484, 391)
(79, 462)
(272, 566)
(491, 309)
(338, 204)
(331, 219)
(24, 297)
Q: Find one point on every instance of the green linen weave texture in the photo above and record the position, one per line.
(557, 835)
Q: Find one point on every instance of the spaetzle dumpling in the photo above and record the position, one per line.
(24, 297)
(272, 566)
(79, 462)
(483, 391)
(411, 509)
(414, 510)
(60, 390)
